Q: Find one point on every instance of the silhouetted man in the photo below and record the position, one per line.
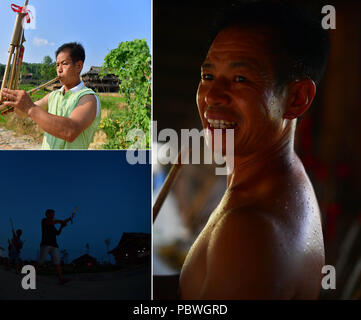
(15, 246)
(49, 244)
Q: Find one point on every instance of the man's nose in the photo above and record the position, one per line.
(218, 94)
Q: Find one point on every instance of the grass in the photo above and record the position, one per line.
(35, 96)
(109, 103)
(112, 103)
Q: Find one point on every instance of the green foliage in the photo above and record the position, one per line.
(34, 68)
(2, 70)
(119, 124)
(41, 71)
(131, 62)
(48, 70)
(111, 103)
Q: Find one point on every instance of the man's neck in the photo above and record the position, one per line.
(71, 85)
(253, 170)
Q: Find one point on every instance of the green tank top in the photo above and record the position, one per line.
(63, 105)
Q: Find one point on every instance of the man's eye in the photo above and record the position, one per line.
(240, 79)
(207, 76)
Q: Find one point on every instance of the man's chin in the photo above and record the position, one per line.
(219, 140)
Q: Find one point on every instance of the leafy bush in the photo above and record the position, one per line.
(131, 62)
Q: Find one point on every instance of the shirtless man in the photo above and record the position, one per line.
(264, 240)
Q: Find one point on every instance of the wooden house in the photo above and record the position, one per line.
(93, 80)
(132, 248)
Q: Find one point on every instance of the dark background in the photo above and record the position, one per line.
(328, 135)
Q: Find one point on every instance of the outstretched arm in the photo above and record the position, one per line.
(64, 128)
(58, 232)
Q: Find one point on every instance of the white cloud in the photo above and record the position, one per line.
(42, 42)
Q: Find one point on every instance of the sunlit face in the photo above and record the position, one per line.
(237, 89)
(67, 71)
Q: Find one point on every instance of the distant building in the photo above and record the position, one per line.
(26, 78)
(85, 261)
(132, 248)
(93, 80)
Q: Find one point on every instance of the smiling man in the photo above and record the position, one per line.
(264, 240)
(69, 116)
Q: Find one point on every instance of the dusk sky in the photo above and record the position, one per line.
(113, 197)
(99, 25)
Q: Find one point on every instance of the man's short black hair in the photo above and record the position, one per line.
(300, 44)
(49, 211)
(77, 52)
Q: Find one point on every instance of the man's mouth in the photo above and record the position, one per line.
(221, 124)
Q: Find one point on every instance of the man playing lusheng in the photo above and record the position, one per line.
(69, 116)
(49, 244)
(264, 240)
(15, 246)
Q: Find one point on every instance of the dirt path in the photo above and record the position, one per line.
(10, 141)
(128, 285)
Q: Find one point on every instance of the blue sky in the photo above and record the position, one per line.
(99, 25)
(113, 197)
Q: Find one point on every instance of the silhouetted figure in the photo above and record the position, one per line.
(15, 246)
(48, 241)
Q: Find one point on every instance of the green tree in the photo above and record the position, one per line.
(131, 62)
(34, 68)
(2, 70)
(48, 70)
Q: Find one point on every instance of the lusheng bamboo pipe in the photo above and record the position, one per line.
(171, 177)
(16, 42)
(4, 109)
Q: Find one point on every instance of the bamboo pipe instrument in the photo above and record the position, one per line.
(4, 109)
(171, 177)
(16, 46)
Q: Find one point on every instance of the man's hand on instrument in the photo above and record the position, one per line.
(64, 223)
(19, 99)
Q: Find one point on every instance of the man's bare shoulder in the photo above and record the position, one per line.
(249, 229)
(88, 98)
(247, 254)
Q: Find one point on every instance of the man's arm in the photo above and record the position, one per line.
(63, 225)
(64, 128)
(43, 102)
(53, 222)
(245, 259)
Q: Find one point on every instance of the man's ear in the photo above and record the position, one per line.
(79, 65)
(300, 97)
